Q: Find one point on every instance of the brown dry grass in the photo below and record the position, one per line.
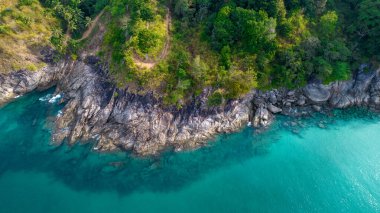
(24, 30)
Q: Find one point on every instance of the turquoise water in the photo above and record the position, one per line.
(288, 168)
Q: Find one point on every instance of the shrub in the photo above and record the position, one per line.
(215, 99)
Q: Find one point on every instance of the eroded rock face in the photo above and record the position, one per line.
(262, 117)
(118, 119)
(23, 81)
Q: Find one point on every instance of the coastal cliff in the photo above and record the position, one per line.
(117, 119)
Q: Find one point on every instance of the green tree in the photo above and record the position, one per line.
(341, 71)
(328, 24)
(239, 82)
(147, 40)
(256, 30)
(223, 29)
(369, 25)
(225, 57)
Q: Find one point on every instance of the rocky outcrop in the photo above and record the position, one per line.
(18, 83)
(363, 90)
(117, 119)
(317, 93)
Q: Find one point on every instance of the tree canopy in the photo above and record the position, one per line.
(177, 48)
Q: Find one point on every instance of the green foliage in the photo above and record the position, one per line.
(251, 30)
(236, 45)
(255, 30)
(26, 2)
(147, 40)
(4, 29)
(57, 39)
(215, 99)
(115, 39)
(223, 29)
(91, 7)
(75, 14)
(328, 24)
(239, 82)
(146, 28)
(368, 26)
(294, 28)
(314, 7)
(225, 57)
(231, 46)
(341, 71)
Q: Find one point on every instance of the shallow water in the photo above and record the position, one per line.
(295, 166)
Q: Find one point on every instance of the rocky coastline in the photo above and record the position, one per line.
(363, 90)
(117, 119)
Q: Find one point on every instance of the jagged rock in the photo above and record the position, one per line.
(140, 123)
(273, 109)
(301, 100)
(272, 98)
(291, 93)
(359, 92)
(263, 118)
(23, 81)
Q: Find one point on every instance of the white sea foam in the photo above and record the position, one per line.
(50, 98)
(55, 98)
(59, 113)
(46, 97)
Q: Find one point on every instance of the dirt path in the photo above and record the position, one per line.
(88, 31)
(145, 64)
(92, 26)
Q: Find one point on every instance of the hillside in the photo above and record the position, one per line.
(233, 46)
(177, 48)
(25, 28)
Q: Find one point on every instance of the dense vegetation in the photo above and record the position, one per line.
(75, 14)
(235, 45)
(177, 48)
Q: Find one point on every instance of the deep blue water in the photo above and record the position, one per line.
(287, 168)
